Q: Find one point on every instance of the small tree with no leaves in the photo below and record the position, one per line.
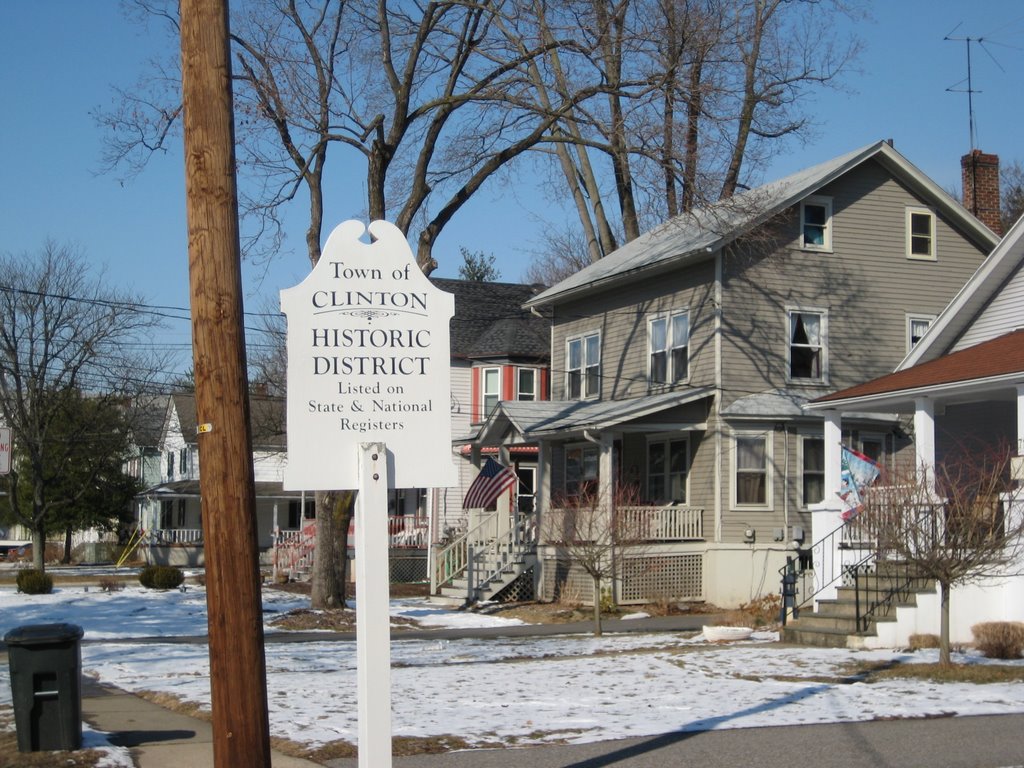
(957, 524)
(593, 532)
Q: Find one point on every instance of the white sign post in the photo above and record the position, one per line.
(368, 409)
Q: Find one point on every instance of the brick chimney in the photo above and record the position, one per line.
(981, 187)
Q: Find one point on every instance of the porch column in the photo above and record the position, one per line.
(924, 438)
(1020, 419)
(542, 501)
(826, 517)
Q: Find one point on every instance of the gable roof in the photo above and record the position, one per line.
(490, 320)
(985, 283)
(993, 363)
(695, 236)
(266, 417)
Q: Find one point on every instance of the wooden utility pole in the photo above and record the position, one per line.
(241, 732)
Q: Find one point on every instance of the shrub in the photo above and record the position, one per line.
(763, 610)
(33, 582)
(108, 584)
(161, 577)
(920, 642)
(999, 639)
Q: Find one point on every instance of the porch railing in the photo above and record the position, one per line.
(635, 523)
(177, 536)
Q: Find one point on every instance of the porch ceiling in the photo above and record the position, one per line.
(539, 419)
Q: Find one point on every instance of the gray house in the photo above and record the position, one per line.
(682, 361)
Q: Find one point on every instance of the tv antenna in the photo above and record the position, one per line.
(969, 90)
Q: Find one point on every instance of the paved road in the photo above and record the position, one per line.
(956, 742)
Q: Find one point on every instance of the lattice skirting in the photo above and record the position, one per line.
(520, 590)
(409, 566)
(642, 579)
(662, 577)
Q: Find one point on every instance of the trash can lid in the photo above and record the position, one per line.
(42, 634)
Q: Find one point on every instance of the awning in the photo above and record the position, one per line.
(190, 488)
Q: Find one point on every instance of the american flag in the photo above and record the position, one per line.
(492, 481)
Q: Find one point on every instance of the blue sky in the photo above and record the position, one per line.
(60, 58)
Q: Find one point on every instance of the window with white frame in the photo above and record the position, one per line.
(920, 234)
(751, 470)
(812, 459)
(816, 224)
(490, 390)
(917, 326)
(583, 366)
(807, 361)
(170, 465)
(667, 466)
(183, 461)
(526, 384)
(668, 339)
(581, 470)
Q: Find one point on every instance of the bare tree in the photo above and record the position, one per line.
(700, 94)
(1011, 182)
(593, 533)
(951, 524)
(63, 332)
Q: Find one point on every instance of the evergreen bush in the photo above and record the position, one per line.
(161, 577)
(33, 582)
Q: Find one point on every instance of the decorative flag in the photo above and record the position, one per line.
(492, 481)
(858, 472)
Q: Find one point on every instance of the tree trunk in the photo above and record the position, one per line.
(597, 606)
(39, 547)
(333, 514)
(944, 656)
(66, 560)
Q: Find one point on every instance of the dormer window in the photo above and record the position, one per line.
(816, 224)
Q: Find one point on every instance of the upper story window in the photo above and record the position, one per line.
(667, 464)
(491, 389)
(526, 384)
(920, 234)
(183, 461)
(750, 478)
(583, 367)
(669, 345)
(917, 326)
(807, 358)
(170, 465)
(816, 224)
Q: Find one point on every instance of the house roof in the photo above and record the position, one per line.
(541, 418)
(695, 236)
(985, 283)
(993, 363)
(490, 320)
(266, 416)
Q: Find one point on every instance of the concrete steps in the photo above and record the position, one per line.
(834, 623)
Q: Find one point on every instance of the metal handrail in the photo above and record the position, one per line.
(874, 599)
(826, 570)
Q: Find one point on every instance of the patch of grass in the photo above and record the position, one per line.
(10, 757)
(872, 672)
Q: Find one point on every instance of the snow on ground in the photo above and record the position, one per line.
(521, 690)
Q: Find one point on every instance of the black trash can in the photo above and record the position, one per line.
(46, 685)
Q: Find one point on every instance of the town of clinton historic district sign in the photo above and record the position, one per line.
(368, 361)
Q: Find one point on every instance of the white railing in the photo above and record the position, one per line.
(635, 523)
(178, 536)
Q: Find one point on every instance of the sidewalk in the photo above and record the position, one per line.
(157, 737)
